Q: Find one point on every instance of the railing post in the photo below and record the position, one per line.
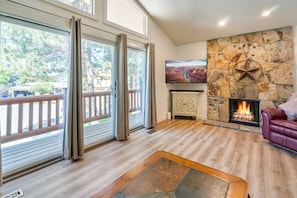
(64, 103)
(49, 113)
(8, 119)
(57, 112)
(20, 119)
(31, 108)
(40, 114)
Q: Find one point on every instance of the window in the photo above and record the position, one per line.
(127, 14)
(34, 62)
(84, 5)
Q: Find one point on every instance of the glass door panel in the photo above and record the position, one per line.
(97, 61)
(136, 68)
(34, 61)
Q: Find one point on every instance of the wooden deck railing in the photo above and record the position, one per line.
(33, 115)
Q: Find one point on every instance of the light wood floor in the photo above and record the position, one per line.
(271, 172)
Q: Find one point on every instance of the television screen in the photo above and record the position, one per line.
(186, 71)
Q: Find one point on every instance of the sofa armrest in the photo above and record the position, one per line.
(274, 114)
(269, 114)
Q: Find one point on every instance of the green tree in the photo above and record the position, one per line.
(135, 68)
(4, 76)
(42, 88)
(96, 62)
(29, 54)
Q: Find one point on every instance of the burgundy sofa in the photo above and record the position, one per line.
(277, 129)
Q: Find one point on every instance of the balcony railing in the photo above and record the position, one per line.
(28, 116)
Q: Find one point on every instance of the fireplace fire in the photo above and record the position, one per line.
(244, 111)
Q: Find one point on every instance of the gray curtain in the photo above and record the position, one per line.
(73, 131)
(150, 118)
(121, 90)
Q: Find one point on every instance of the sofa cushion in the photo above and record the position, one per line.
(285, 127)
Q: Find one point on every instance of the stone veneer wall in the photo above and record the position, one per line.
(250, 66)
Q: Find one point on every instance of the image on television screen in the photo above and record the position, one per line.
(186, 71)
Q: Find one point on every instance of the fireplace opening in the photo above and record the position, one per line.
(244, 111)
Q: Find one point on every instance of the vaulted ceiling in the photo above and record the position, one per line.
(189, 21)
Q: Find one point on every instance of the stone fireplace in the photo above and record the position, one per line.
(255, 66)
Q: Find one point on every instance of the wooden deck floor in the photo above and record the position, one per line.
(44, 148)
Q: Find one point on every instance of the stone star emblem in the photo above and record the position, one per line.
(247, 70)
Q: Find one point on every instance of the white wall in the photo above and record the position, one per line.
(189, 52)
(165, 49)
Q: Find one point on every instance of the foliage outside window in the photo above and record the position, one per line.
(31, 56)
(96, 66)
(42, 88)
(136, 61)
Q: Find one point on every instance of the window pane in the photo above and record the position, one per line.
(84, 5)
(97, 61)
(126, 13)
(33, 64)
(136, 68)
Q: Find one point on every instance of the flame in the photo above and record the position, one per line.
(244, 108)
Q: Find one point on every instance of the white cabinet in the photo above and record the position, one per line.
(185, 104)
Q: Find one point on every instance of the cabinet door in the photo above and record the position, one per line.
(178, 103)
(185, 104)
(190, 104)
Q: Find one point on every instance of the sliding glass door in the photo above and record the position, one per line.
(136, 68)
(97, 67)
(34, 62)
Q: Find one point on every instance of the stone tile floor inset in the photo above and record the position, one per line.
(162, 176)
(198, 184)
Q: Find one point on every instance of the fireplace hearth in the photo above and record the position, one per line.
(244, 111)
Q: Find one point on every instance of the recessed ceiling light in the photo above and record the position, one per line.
(223, 22)
(269, 11)
(266, 13)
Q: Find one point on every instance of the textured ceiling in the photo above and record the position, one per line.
(189, 21)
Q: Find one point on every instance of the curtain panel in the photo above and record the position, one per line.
(1, 176)
(121, 90)
(73, 140)
(150, 118)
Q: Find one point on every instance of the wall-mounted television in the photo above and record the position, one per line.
(186, 71)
